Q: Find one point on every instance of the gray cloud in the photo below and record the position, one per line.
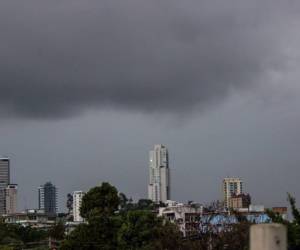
(59, 58)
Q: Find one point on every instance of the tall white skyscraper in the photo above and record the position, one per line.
(4, 181)
(77, 199)
(231, 186)
(159, 181)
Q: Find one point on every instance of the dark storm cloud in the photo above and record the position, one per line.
(62, 57)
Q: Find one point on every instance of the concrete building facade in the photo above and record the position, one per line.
(185, 216)
(77, 199)
(4, 181)
(11, 193)
(237, 201)
(159, 174)
(231, 186)
(31, 217)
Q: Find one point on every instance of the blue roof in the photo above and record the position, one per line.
(258, 219)
(219, 222)
(231, 219)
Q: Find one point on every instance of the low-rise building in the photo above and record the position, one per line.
(33, 217)
(256, 208)
(237, 201)
(185, 216)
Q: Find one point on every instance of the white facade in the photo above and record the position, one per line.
(186, 217)
(256, 208)
(77, 199)
(159, 173)
(11, 198)
(41, 197)
(231, 186)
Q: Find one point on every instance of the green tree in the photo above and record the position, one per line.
(129, 228)
(19, 236)
(168, 237)
(137, 230)
(294, 226)
(80, 238)
(98, 207)
(100, 233)
(142, 229)
(295, 211)
(275, 217)
(29, 234)
(100, 200)
(145, 204)
(57, 232)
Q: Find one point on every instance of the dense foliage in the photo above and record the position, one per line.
(17, 237)
(115, 222)
(100, 201)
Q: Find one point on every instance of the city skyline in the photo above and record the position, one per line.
(62, 196)
(217, 82)
(158, 189)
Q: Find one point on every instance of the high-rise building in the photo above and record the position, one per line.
(159, 173)
(231, 186)
(4, 181)
(77, 199)
(11, 192)
(48, 198)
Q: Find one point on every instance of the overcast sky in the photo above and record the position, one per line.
(88, 87)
